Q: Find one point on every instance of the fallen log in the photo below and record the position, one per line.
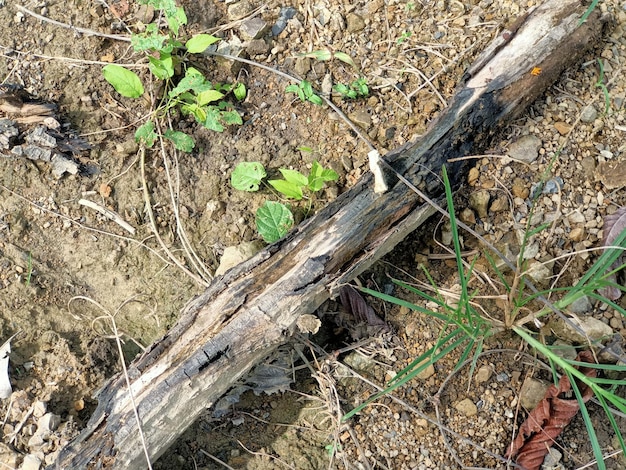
(253, 308)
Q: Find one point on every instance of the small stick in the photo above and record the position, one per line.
(109, 214)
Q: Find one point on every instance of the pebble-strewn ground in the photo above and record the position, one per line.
(412, 55)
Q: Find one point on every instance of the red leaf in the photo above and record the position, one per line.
(536, 435)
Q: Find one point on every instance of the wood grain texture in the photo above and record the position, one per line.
(253, 308)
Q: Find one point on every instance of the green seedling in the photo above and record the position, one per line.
(193, 94)
(357, 89)
(274, 219)
(305, 92)
(605, 91)
(325, 55)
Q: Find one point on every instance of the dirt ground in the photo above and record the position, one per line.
(67, 270)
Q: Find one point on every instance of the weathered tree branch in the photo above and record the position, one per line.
(253, 308)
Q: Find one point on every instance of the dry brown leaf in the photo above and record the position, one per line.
(536, 435)
(614, 225)
(355, 304)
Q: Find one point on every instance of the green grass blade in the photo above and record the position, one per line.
(591, 432)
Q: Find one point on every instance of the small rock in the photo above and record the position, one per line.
(593, 328)
(361, 118)
(519, 188)
(479, 201)
(564, 349)
(374, 7)
(576, 218)
(499, 205)
(233, 255)
(580, 306)
(525, 149)
(302, 66)
(553, 186)
(426, 373)
(39, 408)
(359, 362)
(552, 460)
(466, 407)
(31, 462)
(354, 23)
(483, 374)
(532, 392)
(145, 14)
(577, 234)
(308, 323)
(61, 165)
(327, 84)
(257, 47)
(239, 10)
(616, 323)
(589, 114)
(8, 457)
(612, 173)
(254, 28)
(562, 128)
(48, 423)
(606, 154)
(35, 442)
(588, 165)
(538, 272)
(467, 216)
(285, 14)
(473, 175)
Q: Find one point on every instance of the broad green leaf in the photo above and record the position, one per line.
(190, 81)
(125, 82)
(208, 96)
(247, 176)
(342, 56)
(297, 90)
(175, 19)
(149, 40)
(231, 117)
(307, 88)
(162, 68)
(294, 177)
(198, 112)
(200, 42)
(315, 99)
(240, 91)
(318, 176)
(291, 190)
(213, 119)
(273, 221)
(145, 134)
(180, 140)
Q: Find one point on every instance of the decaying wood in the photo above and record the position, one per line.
(253, 308)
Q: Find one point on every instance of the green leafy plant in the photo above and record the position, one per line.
(356, 89)
(193, 94)
(304, 91)
(464, 328)
(274, 219)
